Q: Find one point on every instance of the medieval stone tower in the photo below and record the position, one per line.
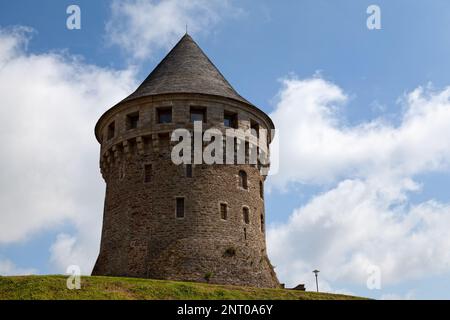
(181, 222)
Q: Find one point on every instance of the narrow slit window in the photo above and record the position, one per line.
(247, 151)
(243, 183)
(262, 222)
(180, 207)
(189, 170)
(147, 173)
(261, 189)
(223, 211)
(246, 215)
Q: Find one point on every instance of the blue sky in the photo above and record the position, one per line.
(263, 48)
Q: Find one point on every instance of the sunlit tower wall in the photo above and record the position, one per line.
(193, 222)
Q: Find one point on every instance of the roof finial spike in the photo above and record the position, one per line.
(186, 28)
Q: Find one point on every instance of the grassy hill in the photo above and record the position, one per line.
(106, 288)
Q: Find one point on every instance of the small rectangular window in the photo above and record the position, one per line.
(254, 127)
(132, 120)
(230, 120)
(180, 208)
(147, 173)
(111, 130)
(189, 170)
(198, 114)
(223, 211)
(164, 115)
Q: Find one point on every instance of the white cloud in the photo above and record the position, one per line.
(8, 268)
(366, 217)
(325, 149)
(356, 225)
(141, 26)
(76, 250)
(50, 176)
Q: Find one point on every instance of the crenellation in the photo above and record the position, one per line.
(126, 148)
(140, 145)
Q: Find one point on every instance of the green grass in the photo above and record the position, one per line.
(110, 288)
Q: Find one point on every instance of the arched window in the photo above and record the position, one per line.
(246, 215)
(243, 180)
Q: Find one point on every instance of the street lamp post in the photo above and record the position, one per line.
(317, 282)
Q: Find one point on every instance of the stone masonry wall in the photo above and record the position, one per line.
(142, 237)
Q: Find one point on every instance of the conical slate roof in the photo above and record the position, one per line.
(186, 69)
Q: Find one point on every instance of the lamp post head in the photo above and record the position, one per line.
(316, 272)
